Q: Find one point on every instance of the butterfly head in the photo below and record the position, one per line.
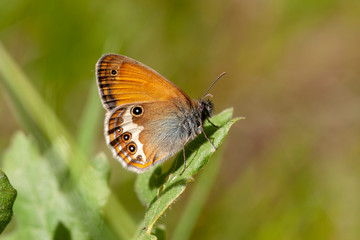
(205, 108)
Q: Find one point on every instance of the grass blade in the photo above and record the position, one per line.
(89, 123)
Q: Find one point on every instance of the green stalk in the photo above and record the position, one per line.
(198, 198)
(119, 219)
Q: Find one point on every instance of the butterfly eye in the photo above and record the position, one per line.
(198, 124)
(113, 72)
(126, 137)
(132, 148)
(137, 111)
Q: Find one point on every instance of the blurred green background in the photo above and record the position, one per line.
(291, 170)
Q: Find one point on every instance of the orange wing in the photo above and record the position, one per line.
(123, 80)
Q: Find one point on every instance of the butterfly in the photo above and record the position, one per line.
(148, 118)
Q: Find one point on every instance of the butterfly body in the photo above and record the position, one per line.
(148, 118)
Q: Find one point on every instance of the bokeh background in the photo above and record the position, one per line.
(291, 170)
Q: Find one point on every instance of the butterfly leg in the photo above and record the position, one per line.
(207, 137)
(184, 161)
(184, 157)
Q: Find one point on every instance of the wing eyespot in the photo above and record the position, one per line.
(119, 121)
(114, 72)
(126, 137)
(137, 111)
(116, 130)
(132, 148)
(119, 130)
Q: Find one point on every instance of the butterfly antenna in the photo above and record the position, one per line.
(222, 74)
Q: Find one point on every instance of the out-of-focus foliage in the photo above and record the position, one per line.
(290, 170)
(47, 207)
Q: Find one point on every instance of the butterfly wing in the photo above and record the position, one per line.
(139, 141)
(143, 125)
(122, 80)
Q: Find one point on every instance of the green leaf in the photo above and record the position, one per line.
(158, 233)
(158, 190)
(7, 198)
(48, 209)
